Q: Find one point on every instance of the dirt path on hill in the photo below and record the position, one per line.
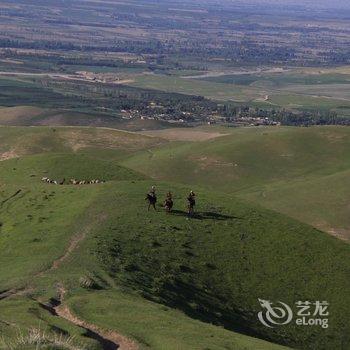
(73, 245)
(110, 340)
(55, 265)
(7, 293)
(9, 198)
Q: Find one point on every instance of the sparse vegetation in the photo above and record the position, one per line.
(37, 339)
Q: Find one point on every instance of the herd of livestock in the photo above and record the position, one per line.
(72, 181)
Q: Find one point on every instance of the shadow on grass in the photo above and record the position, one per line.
(204, 215)
(206, 306)
(105, 343)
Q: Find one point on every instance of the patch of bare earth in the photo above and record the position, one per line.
(82, 138)
(334, 137)
(340, 233)
(206, 162)
(8, 155)
(19, 113)
(181, 134)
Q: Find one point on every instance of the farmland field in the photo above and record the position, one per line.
(299, 91)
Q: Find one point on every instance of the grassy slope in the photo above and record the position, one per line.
(321, 201)
(34, 116)
(20, 314)
(104, 142)
(44, 219)
(225, 260)
(62, 165)
(175, 261)
(158, 255)
(33, 226)
(158, 326)
(285, 169)
(170, 259)
(45, 214)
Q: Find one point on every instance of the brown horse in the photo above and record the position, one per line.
(168, 203)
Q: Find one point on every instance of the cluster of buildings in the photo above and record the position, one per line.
(154, 111)
(255, 121)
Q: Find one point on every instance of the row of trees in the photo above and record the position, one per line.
(246, 51)
(285, 117)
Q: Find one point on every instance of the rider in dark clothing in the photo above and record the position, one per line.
(152, 198)
(191, 202)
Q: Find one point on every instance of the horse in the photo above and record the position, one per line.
(152, 200)
(168, 203)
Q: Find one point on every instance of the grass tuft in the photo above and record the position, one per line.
(40, 339)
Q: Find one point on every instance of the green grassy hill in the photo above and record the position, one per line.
(292, 170)
(101, 142)
(216, 266)
(37, 225)
(35, 116)
(165, 280)
(63, 166)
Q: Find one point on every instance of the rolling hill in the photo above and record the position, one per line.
(50, 235)
(89, 261)
(301, 172)
(49, 116)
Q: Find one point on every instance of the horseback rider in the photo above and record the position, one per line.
(152, 198)
(191, 202)
(168, 203)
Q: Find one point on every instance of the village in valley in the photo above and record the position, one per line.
(154, 111)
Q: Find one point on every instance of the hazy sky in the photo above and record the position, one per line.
(323, 3)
